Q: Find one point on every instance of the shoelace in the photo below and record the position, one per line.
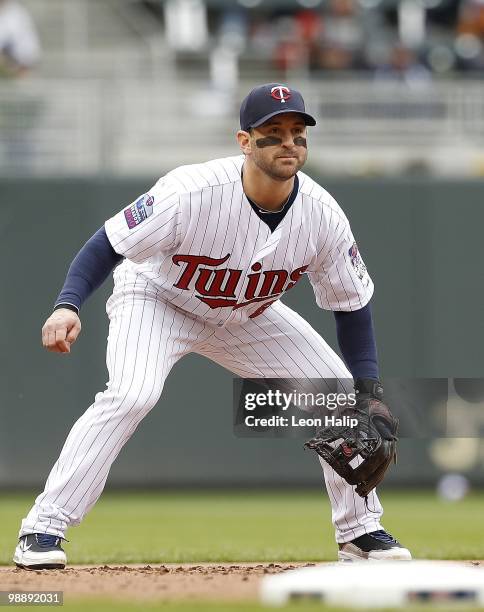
(46, 540)
(383, 536)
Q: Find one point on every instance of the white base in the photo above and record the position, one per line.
(393, 584)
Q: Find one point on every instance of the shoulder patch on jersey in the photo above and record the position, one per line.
(356, 261)
(139, 210)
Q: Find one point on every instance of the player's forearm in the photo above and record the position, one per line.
(356, 339)
(89, 269)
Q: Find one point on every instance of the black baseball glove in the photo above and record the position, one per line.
(370, 445)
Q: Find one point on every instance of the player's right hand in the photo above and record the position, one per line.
(61, 330)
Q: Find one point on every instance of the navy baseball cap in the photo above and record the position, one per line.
(266, 101)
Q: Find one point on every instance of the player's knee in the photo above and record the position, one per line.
(139, 399)
(129, 399)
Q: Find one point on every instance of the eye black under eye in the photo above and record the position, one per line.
(300, 141)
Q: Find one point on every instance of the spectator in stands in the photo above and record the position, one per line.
(19, 42)
(309, 24)
(346, 30)
(404, 66)
(343, 25)
(19, 53)
(471, 18)
(343, 36)
(290, 51)
(333, 56)
(469, 44)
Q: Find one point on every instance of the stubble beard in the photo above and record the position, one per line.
(276, 170)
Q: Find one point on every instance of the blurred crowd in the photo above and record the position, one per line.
(397, 40)
(392, 39)
(19, 40)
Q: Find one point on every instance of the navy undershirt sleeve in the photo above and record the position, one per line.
(356, 339)
(89, 269)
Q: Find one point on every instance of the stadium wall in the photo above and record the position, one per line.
(420, 239)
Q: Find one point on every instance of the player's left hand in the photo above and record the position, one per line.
(61, 330)
(373, 440)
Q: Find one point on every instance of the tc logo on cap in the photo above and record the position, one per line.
(281, 93)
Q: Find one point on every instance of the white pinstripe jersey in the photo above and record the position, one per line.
(196, 238)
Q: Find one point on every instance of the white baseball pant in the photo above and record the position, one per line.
(147, 336)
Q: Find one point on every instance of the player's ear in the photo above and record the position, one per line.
(243, 138)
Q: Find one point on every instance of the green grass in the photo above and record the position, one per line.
(103, 605)
(159, 527)
(152, 527)
(89, 605)
(108, 606)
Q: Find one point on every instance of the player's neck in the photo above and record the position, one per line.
(263, 190)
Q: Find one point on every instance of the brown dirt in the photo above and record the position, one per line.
(170, 582)
(227, 582)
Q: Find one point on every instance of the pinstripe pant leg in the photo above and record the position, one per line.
(146, 337)
(281, 344)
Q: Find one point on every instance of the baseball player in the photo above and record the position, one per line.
(200, 263)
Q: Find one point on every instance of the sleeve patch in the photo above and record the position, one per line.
(139, 210)
(357, 262)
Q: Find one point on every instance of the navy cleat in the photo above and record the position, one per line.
(40, 551)
(375, 546)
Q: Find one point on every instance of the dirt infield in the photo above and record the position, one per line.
(230, 582)
(171, 582)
